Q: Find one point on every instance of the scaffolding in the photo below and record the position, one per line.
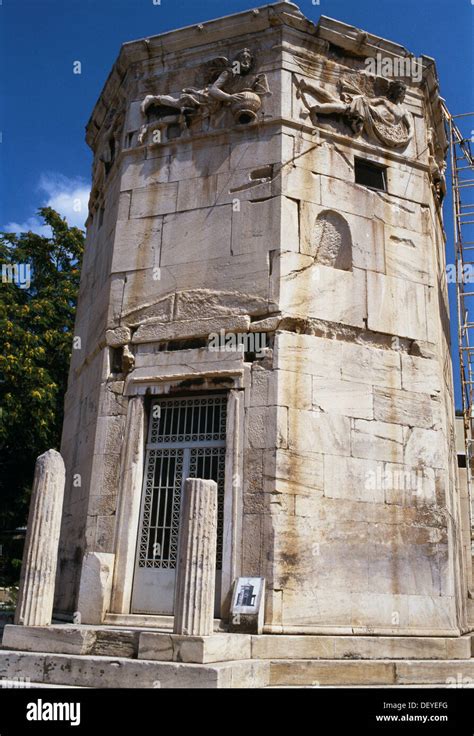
(461, 136)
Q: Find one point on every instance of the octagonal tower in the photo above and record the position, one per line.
(262, 181)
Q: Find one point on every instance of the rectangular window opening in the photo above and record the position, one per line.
(369, 174)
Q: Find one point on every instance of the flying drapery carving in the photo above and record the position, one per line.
(383, 118)
(230, 84)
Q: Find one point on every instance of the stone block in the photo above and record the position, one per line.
(320, 672)
(144, 173)
(377, 441)
(292, 647)
(396, 306)
(453, 673)
(198, 159)
(261, 226)
(118, 337)
(310, 431)
(291, 472)
(403, 407)
(323, 292)
(267, 427)
(308, 354)
(137, 244)
(426, 447)
(405, 182)
(300, 183)
(197, 193)
(53, 639)
(352, 478)
(420, 374)
(198, 649)
(407, 256)
(95, 587)
(342, 397)
(196, 236)
(291, 389)
(153, 331)
(367, 364)
(265, 147)
(259, 389)
(158, 199)
(408, 485)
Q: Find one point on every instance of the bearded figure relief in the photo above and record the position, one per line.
(383, 118)
(230, 84)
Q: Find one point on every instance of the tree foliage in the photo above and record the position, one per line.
(36, 330)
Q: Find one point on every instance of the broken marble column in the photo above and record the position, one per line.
(38, 573)
(196, 574)
(95, 587)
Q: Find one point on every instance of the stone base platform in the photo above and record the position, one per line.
(104, 656)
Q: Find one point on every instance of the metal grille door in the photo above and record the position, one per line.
(186, 439)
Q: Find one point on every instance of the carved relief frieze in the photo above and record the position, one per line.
(383, 118)
(231, 94)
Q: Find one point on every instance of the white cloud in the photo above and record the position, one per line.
(67, 196)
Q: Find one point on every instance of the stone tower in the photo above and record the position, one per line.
(263, 177)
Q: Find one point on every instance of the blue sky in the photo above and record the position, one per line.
(44, 106)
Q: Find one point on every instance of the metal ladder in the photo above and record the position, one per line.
(461, 136)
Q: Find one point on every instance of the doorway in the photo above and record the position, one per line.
(186, 439)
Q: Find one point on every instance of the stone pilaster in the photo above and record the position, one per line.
(35, 600)
(131, 477)
(196, 574)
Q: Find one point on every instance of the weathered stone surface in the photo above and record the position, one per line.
(118, 337)
(195, 584)
(351, 478)
(403, 407)
(342, 397)
(310, 430)
(316, 290)
(426, 447)
(307, 354)
(199, 649)
(52, 639)
(183, 364)
(341, 449)
(367, 364)
(38, 572)
(267, 427)
(320, 672)
(420, 374)
(359, 647)
(96, 587)
(377, 440)
(407, 256)
(294, 473)
(196, 235)
(103, 672)
(396, 306)
(182, 329)
(260, 226)
(448, 674)
(288, 388)
(137, 244)
(150, 201)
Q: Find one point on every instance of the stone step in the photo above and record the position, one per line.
(304, 673)
(309, 646)
(144, 621)
(19, 685)
(69, 639)
(120, 672)
(219, 647)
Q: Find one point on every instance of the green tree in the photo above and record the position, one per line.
(36, 330)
